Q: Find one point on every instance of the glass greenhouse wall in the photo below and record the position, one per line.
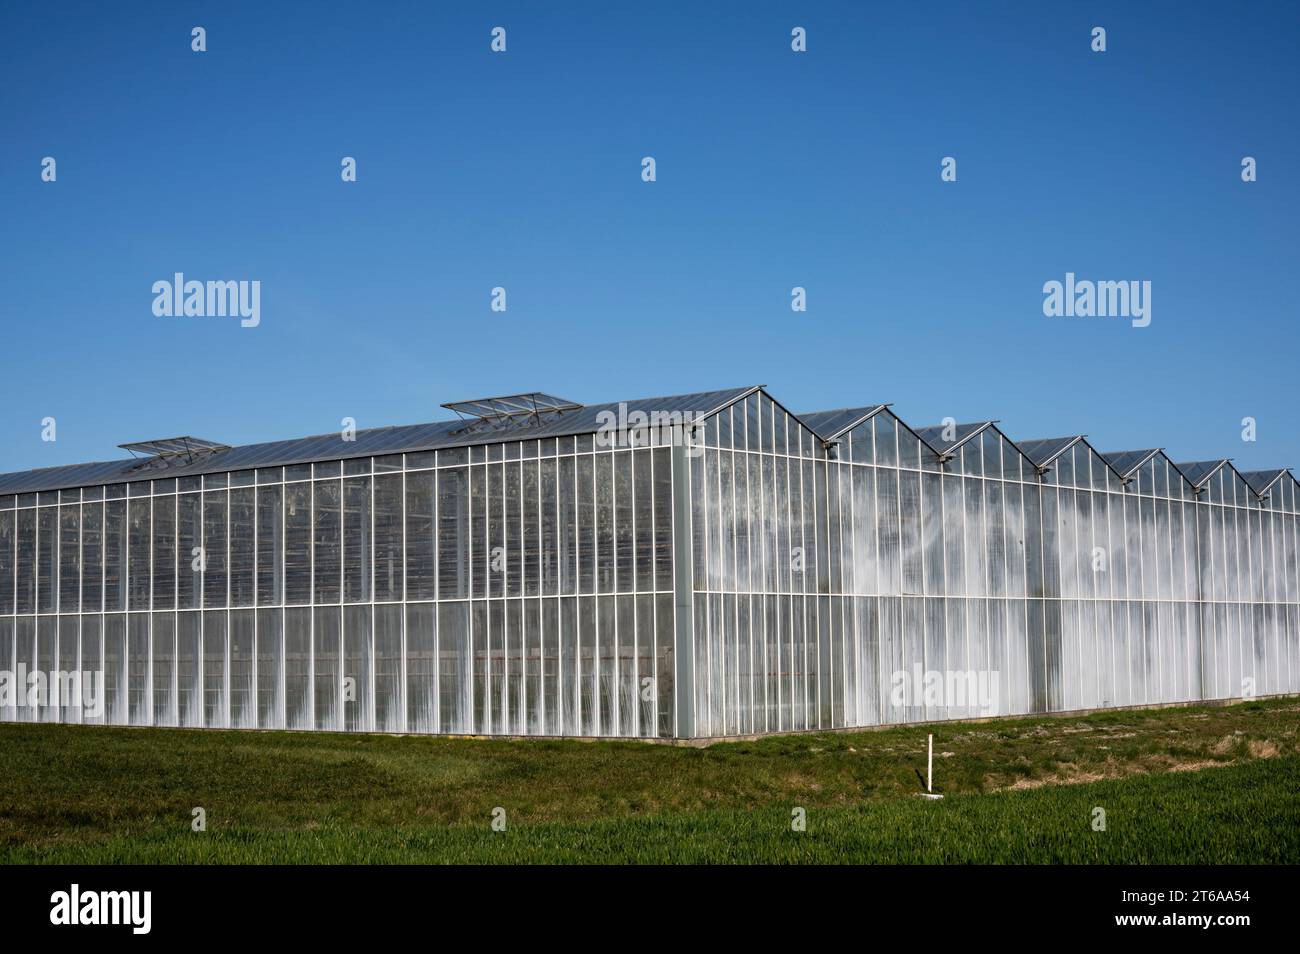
(837, 582)
(726, 568)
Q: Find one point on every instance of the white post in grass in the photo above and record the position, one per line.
(929, 770)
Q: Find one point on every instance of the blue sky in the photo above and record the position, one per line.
(522, 170)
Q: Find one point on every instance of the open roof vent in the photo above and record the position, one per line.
(173, 451)
(1198, 473)
(511, 411)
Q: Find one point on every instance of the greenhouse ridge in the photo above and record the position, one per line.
(828, 425)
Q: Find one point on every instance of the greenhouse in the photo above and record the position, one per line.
(697, 566)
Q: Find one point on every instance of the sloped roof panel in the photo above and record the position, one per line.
(1045, 450)
(380, 440)
(829, 425)
(1262, 481)
(957, 435)
(1126, 463)
(1199, 472)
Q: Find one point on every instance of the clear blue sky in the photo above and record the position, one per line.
(774, 170)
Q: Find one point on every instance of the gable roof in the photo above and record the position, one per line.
(960, 434)
(829, 425)
(563, 419)
(1044, 451)
(1262, 481)
(1127, 463)
(1199, 472)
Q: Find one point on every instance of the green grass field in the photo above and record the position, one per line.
(1197, 785)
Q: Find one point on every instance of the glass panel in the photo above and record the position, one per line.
(662, 518)
(243, 702)
(270, 545)
(298, 535)
(189, 668)
(497, 564)
(215, 541)
(358, 675)
(92, 558)
(390, 706)
(115, 654)
(643, 518)
(567, 526)
(327, 542)
(478, 536)
(242, 547)
(546, 503)
(69, 559)
(327, 679)
(357, 539)
(215, 650)
(164, 669)
(453, 535)
(604, 497)
(39, 525)
(510, 563)
(91, 662)
(454, 685)
(67, 696)
(138, 658)
(25, 561)
(586, 522)
(421, 666)
(623, 523)
(388, 538)
(298, 669)
(189, 547)
(532, 529)
(421, 581)
(164, 552)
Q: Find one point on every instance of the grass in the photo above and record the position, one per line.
(1193, 785)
